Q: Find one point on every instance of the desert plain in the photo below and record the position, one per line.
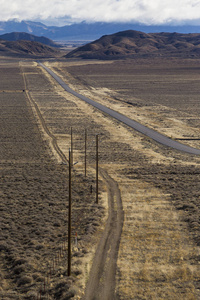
(151, 192)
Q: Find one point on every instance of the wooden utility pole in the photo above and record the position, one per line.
(97, 171)
(72, 147)
(85, 152)
(69, 216)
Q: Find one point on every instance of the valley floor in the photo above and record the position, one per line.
(158, 253)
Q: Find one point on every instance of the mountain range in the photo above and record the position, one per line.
(137, 44)
(120, 45)
(87, 31)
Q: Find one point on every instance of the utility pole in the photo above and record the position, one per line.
(97, 171)
(85, 152)
(72, 147)
(69, 216)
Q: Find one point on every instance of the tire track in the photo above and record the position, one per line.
(52, 138)
(101, 283)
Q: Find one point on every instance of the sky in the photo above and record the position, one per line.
(61, 12)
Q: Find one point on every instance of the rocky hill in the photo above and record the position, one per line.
(132, 44)
(26, 48)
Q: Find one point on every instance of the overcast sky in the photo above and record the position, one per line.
(66, 11)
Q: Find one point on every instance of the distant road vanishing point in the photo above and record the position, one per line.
(156, 136)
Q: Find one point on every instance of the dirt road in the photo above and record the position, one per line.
(101, 283)
(52, 138)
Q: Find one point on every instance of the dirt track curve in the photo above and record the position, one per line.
(101, 284)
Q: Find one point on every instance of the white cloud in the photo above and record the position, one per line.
(144, 11)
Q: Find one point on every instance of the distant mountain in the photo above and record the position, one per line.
(26, 49)
(133, 44)
(86, 31)
(35, 28)
(17, 36)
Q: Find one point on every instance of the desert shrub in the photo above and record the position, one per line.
(19, 269)
(78, 254)
(77, 272)
(39, 247)
(24, 280)
(37, 277)
(4, 246)
(85, 251)
(96, 223)
(78, 262)
(64, 283)
(56, 224)
(1, 277)
(20, 261)
(31, 295)
(70, 294)
(61, 288)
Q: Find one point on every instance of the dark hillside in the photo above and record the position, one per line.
(26, 48)
(16, 36)
(132, 44)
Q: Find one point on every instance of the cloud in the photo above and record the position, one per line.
(143, 11)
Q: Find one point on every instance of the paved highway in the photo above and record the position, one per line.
(158, 137)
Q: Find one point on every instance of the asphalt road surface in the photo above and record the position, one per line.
(158, 137)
